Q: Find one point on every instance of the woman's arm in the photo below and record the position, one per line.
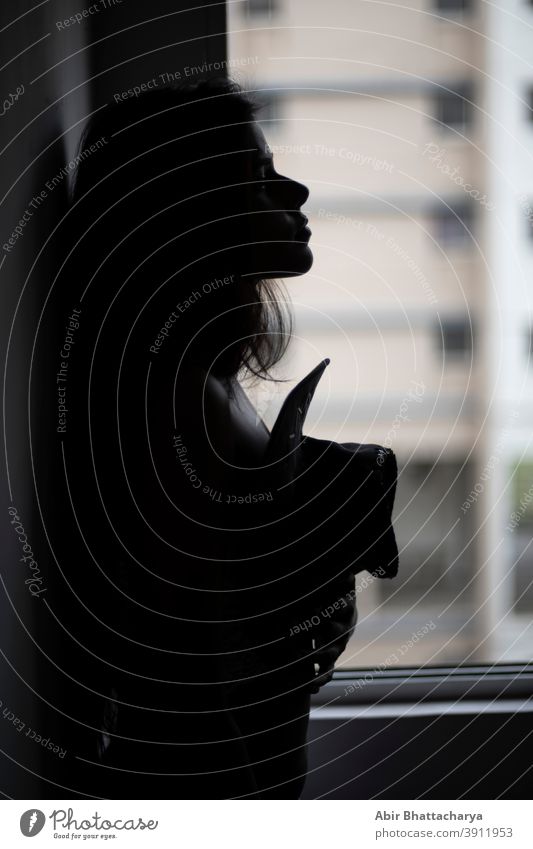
(338, 618)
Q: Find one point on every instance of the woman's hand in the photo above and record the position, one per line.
(331, 638)
(330, 642)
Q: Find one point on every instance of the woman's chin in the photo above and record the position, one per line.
(303, 263)
(298, 262)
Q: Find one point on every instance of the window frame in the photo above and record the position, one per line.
(469, 686)
(477, 683)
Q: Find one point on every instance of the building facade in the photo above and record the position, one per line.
(412, 127)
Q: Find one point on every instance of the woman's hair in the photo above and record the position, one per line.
(162, 196)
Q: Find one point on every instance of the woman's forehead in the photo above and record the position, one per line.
(257, 142)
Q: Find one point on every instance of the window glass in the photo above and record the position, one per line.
(408, 128)
(452, 5)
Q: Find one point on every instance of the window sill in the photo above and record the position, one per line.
(467, 684)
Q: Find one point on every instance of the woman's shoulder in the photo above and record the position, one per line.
(203, 416)
(219, 418)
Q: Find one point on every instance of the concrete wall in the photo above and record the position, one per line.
(63, 70)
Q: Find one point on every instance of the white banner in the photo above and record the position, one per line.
(264, 824)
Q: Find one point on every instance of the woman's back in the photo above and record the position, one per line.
(191, 559)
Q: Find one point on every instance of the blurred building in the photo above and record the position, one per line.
(412, 126)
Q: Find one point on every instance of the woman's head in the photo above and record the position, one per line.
(183, 192)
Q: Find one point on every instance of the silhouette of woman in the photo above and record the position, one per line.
(194, 561)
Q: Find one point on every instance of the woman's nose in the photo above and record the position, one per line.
(296, 192)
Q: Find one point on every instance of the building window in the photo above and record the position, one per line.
(427, 500)
(529, 345)
(530, 103)
(453, 225)
(452, 5)
(255, 8)
(526, 207)
(522, 493)
(520, 524)
(454, 337)
(452, 108)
